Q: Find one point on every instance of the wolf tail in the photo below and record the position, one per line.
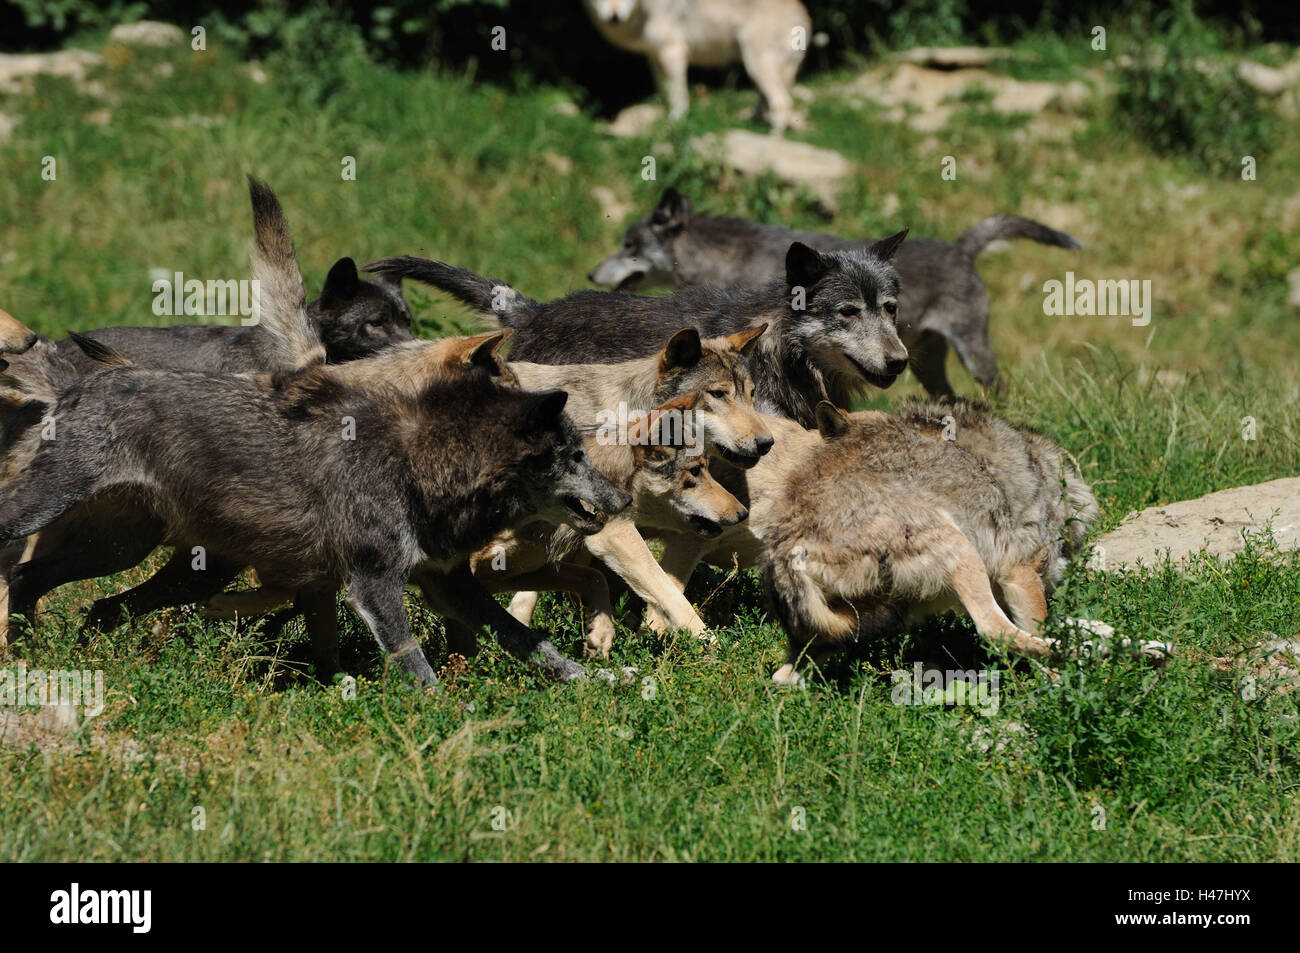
(282, 302)
(32, 371)
(972, 241)
(490, 296)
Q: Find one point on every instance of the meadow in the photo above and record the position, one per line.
(215, 743)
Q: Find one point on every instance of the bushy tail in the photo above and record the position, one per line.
(491, 296)
(972, 241)
(282, 302)
(32, 371)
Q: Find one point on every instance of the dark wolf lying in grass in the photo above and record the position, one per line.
(831, 322)
(942, 301)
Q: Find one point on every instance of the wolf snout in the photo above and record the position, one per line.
(764, 444)
(739, 516)
(895, 365)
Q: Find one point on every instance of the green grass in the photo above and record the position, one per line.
(706, 761)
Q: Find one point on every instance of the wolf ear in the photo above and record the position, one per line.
(682, 350)
(545, 410)
(831, 421)
(483, 351)
(674, 209)
(805, 266)
(341, 283)
(887, 248)
(743, 341)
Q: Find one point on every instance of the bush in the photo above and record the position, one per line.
(1184, 98)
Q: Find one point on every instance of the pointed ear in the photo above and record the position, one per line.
(831, 421)
(484, 351)
(887, 248)
(743, 341)
(673, 210)
(805, 266)
(547, 406)
(342, 281)
(682, 350)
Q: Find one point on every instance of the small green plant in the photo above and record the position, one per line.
(1183, 97)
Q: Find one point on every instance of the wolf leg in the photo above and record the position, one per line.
(588, 584)
(1022, 590)
(378, 600)
(318, 605)
(177, 583)
(459, 595)
(766, 64)
(669, 65)
(681, 555)
(621, 547)
(969, 579)
(929, 355)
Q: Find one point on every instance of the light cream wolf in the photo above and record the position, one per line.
(768, 36)
(671, 489)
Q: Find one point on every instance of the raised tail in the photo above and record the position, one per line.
(282, 301)
(490, 296)
(972, 241)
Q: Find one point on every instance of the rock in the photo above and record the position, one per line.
(17, 67)
(636, 120)
(1274, 664)
(561, 164)
(961, 57)
(612, 207)
(926, 98)
(147, 33)
(1266, 79)
(7, 124)
(1214, 522)
(1293, 296)
(820, 170)
(566, 107)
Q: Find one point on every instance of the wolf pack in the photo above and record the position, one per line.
(329, 450)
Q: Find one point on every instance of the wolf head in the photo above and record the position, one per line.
(646, 256)
(557, 479)
(723, 416)
(671, 484)
(356, 317)
(845, 310)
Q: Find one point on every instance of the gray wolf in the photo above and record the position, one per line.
(830, 319)
(768, 36)
(942, 302)
(351, 318)
(890, 520)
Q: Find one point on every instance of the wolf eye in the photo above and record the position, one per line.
(719, 394)
(849, 311)
(696, 470)
(579, 456)
(891, 308)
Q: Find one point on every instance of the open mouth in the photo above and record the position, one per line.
(743, 460)
(877, 380)
(631, 282)
(583, 516)
(705, 526)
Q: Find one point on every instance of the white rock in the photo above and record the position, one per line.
(822, 171)
(147, 33)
